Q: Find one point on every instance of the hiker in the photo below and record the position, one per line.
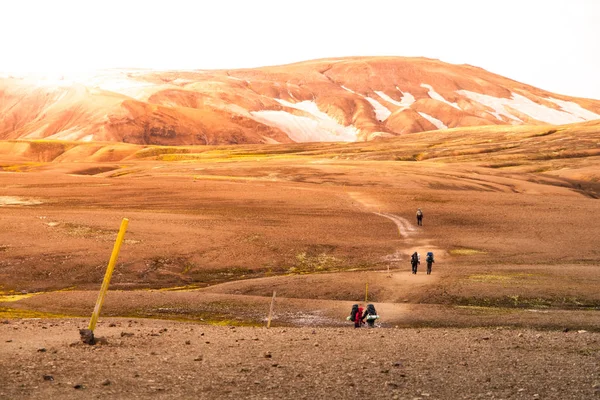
(356, 315)
(430, 261)
(419, 217)
(414, 261)
(370, 315)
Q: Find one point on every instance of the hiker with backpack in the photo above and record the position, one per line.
(370, 315)
(419, 217)
(414, 261)
(356, 315)
(430, 261)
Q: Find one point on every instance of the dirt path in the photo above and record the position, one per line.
(404, 227)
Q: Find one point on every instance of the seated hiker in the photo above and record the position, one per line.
(370, 315)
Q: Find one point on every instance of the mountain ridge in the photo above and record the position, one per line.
(343, 99)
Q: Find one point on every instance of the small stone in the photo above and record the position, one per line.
(78, 386)
(112, 325)
(48, 378)
(268, 354)
(41, 350)
(106, 382)
(188, 342)
(199, 358)
(316, 344)
(9, 340)
(520, 334)
(581, 331)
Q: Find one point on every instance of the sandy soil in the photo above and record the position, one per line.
(209, 241)
(142, 358)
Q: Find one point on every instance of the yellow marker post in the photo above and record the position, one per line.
(107, 276)
(271, 310)
(367, 293)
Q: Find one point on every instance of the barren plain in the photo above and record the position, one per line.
(510, 310)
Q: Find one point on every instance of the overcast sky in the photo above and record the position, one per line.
(551, 44)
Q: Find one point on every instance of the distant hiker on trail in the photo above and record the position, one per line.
(370, 315)
(430, 261)
(356, 315)
(414, 261)
(419, 217)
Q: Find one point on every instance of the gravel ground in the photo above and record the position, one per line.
(43, 358)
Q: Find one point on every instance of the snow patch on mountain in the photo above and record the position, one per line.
(381, 112)
(407, 98)
(571, 112)
(389, 99)
(318, 127)
(575, 109)
(436, 96)
(438, 124)
(495, 103)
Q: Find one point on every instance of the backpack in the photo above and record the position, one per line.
(353, 313)
(371, 310)
(371, 313)
(429, 256)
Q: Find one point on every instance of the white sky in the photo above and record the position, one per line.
(551, 44)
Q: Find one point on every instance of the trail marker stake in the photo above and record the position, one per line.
(89, 335)
(366, 293)
(271, 310)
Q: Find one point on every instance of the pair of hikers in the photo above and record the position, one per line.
(358, 315)
(415, 261)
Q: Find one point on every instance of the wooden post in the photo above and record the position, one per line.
(107, 276)
(367, 293)
(271, 310)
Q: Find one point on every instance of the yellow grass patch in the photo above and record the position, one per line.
(465, 252)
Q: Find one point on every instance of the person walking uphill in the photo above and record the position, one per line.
(419, 217)
(430, 261)
(414, 262)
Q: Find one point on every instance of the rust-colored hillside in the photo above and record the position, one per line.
(349, 99)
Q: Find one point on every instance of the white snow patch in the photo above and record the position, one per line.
(571, 113)
(575, 109)
(319, 127)
(495, 103)
(542, 113)
(381, 112)
(389, 99)
(407, 98)
(436, 96)
(438, 124)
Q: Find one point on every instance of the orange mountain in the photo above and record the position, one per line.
(342, 100)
